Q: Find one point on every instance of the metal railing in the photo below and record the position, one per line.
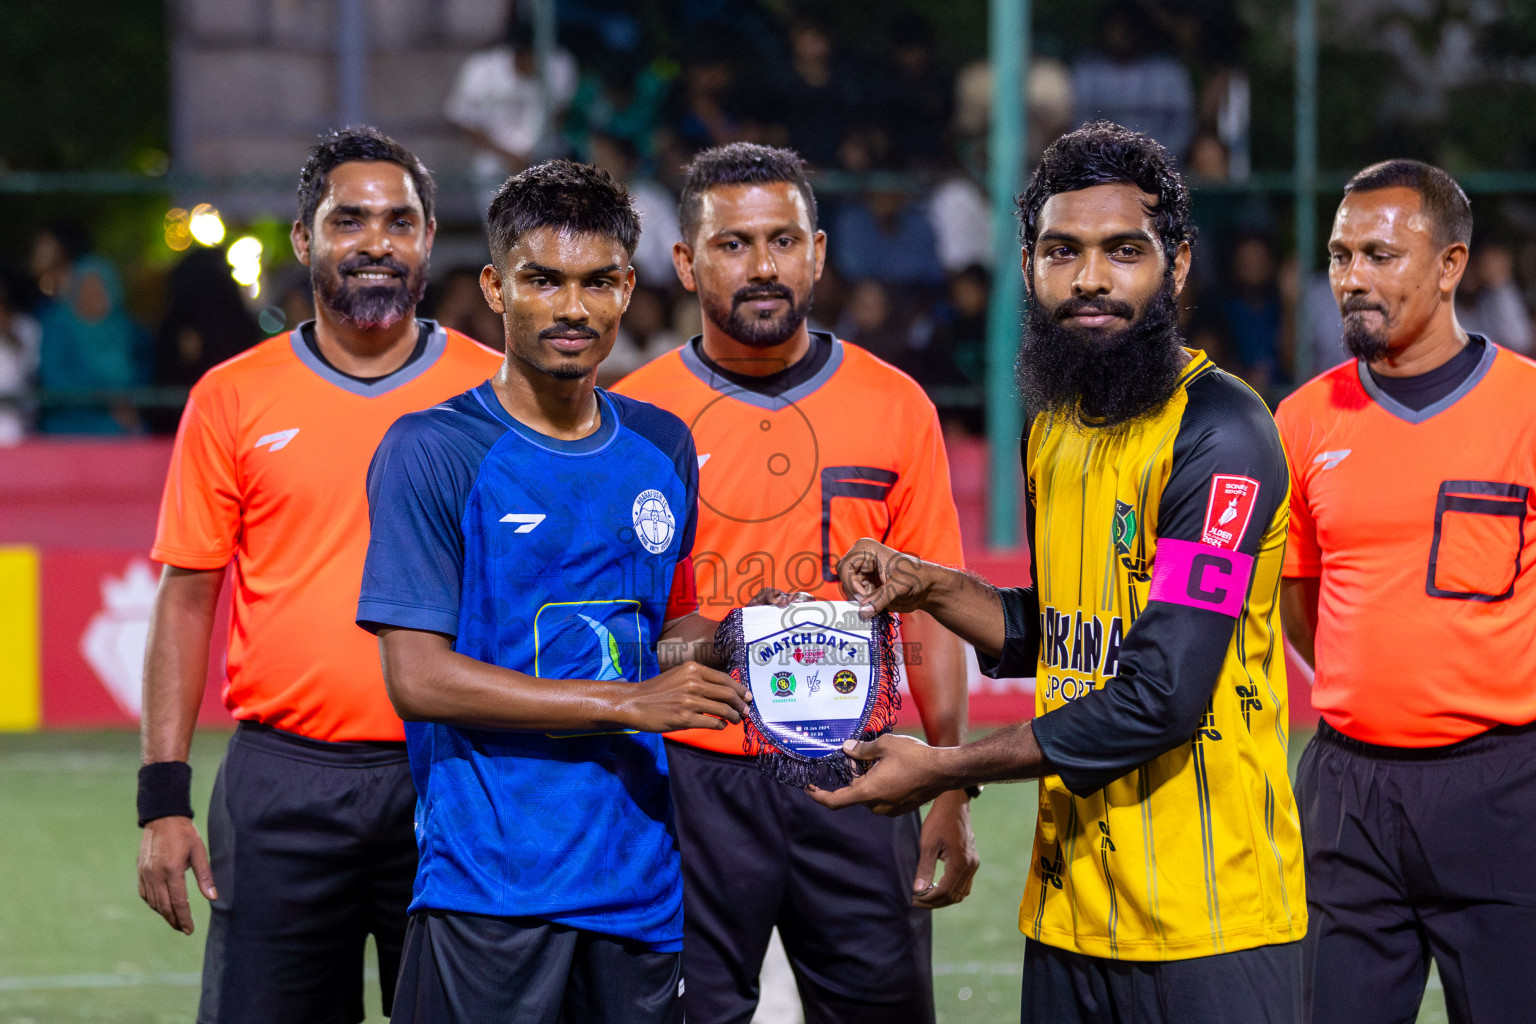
(150, 397)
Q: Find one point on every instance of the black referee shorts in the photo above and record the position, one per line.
(313, 850)
(1413, 854)
(1251, 986)
(838, 884)
(471, 969)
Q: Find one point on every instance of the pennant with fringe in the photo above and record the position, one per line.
(819, 675)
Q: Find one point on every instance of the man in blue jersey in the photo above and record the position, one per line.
(530, 547)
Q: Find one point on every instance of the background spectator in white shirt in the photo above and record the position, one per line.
(507, 108)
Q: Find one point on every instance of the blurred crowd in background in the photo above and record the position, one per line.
(897, 136)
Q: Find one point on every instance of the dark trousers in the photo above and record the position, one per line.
(313, 850)
(1416, 854)
(471, 969)
(1251, 986)
(837, 884)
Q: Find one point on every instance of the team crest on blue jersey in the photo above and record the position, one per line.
(654, 524)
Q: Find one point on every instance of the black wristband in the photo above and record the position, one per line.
(165, 790)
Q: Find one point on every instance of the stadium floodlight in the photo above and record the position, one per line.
(206, 225)
(246, 249)
(244, 258)
(177, 236)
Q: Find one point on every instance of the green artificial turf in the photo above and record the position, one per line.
(77, 944)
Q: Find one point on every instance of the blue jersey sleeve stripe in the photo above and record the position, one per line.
(374, 615)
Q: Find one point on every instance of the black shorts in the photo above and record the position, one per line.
(470, 969)
(837, 884)
(1251, 986)
(313, 850)
(1419, 854)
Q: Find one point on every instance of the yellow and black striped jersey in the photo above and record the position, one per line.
(1169, 830)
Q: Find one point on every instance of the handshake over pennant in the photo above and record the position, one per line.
(819, 675)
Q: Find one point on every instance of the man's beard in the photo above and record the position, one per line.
(1099, 379)
(1360, 340)
(369, 307)
(754, 331)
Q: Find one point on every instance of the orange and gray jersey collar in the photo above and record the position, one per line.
(437, 344)
(732, 386)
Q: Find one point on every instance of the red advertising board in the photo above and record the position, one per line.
(95, 620)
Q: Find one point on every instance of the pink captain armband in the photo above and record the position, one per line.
(1200, 576)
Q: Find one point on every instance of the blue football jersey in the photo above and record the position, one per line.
(554, 558)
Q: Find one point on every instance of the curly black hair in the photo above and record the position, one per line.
(566, 196)
(740, 163)
(1105, 153)
(358, 142)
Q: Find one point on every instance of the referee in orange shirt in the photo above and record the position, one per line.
(1409, 586)
(310, 826)
(805, 444)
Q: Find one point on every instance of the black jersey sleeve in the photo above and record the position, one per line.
(1227, 485)
(1021, 605)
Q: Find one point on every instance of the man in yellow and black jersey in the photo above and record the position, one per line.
(1166, 882)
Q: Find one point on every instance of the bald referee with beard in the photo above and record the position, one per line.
(1166, 881)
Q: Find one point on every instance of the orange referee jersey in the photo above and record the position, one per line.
(1422, 527)
(268, 472)
(788, 483)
